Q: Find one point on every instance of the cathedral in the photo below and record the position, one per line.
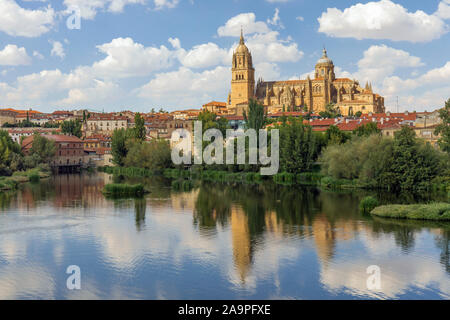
(298, 95)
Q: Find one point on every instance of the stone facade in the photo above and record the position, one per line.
(295, 95)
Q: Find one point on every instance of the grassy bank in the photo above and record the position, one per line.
(31, 175)
(121, 189)
(131, 172)
(431, 211)
(214, 176)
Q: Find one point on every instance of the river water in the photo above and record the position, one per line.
(214, 242)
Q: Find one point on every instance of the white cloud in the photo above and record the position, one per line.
(276, 21)
(38, 55)
(205, 55)
(247, 21)
(444, 9)
(89, 8)
(12, 55)
(389, 58)
(268, 48)
(300, 18)
(160, 4)
(187, 88)
(175, 42)
(126, 58)
(57, 49)
(381, 20)
(267, 70)
(17, 21)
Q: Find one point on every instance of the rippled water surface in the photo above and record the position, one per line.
(214, 242)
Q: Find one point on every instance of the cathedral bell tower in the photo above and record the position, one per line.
(243, 75)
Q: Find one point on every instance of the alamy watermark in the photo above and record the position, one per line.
(74, 280)
(185, 148)
(373, 282)
(73, 21)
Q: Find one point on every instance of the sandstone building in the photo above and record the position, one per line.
(295, 95)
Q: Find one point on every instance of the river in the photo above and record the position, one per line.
(214, 242)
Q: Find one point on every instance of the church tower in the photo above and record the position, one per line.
(243, 75)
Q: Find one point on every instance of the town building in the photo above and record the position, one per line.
(69, 151)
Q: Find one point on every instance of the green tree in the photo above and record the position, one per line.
(153, 155)
(358, 114)
(444, 128)
(297, 146)
(330, 111)
(44, 148)
(72, 127)
(335, 136)
(210, 120)
(367, 129)
(256, 118)
(139, 127)
(119, 148)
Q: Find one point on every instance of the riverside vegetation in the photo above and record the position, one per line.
(15, 167)
(333, 159)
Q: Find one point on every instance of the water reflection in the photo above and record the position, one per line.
(216, 241)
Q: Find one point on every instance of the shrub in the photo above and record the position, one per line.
(368, 204)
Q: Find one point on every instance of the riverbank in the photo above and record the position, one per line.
(431, 211)
(31, 175)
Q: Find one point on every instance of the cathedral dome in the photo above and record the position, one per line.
(325, 59)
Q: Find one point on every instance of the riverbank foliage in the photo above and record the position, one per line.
(13, 160)
(431, 211)
(402, 163)
(367, 204)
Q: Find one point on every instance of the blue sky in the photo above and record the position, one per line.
(175, 54)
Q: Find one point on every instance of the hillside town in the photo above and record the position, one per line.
(97, 128)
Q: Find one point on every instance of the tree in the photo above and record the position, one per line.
(210, 120)
(330, 111)
(444, 128)
(297, 146)
(367, 129)
(139, 127)
(44, 148)
(10, 154)
(256, 117)
(336, 136)
(358, 114)
(153, 155)
(119, 148)
(72, 127)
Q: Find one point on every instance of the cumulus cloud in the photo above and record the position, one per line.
(389, 58)
(381, 20)
(444, 9)
(57, 49)
(89, 8)
(17, 21)
(186, 87)
(205, 55)
(126, 58)
(12, 55)
(247, 21)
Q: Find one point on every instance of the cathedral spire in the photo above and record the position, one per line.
(242, 37)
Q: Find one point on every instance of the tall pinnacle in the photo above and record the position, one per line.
(242, 37)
